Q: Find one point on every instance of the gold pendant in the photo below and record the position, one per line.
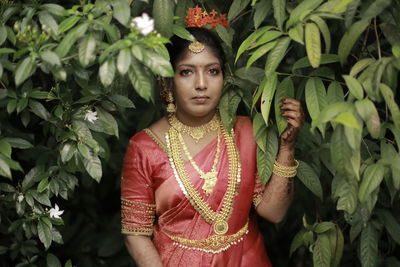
(210, 179)
(197, 135)
(220, 227)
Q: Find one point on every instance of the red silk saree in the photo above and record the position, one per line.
(150, 190)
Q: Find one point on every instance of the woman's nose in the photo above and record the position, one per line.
(201, 83)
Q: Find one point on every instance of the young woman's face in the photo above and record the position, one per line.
(198, 84)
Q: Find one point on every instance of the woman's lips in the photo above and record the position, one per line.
(200, 99)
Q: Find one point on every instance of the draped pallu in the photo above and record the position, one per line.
(153, 204)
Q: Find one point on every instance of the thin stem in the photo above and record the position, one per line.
(241, 15)
(5, 87)
(306, 76)
(377, 40)
(365, 144)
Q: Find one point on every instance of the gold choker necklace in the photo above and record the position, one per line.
(219, 220)
(195, 132)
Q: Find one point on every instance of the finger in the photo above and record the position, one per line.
(290, 101)
(290, 106)
(294, 123)
(292, 114)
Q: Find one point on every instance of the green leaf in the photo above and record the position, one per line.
(276, 55)
(5, 170)
(313, 44)
(268, 87)
(44, 233)
(284, 90)
(368, 112)
(236, 7)
(225, 34)
(228, 106)
(43, 185)
(322, 251)
(347, 119)
(113, 34)
(391, 224)
(3, 33)
(297, 241)
(140, 80)
(387, 94)
(87, 49)
(182, 32)
(249, 41)
(39, 110)
(337, 245)
(93, 167)
(360, 66)
(372, 177)
(265, 161)
(5, 50)
(267, 37)
(260, 131)
(5, 148)
(158, 64)
(122, 101)
(347, 193)
(324, 29)
(335, 92)
(310, 179)
(107, 72)
(316, 98)
(300, 9)
(262, 9)
(122, 11)
(375, 8)
(51, 58)
(163, 14)
(341, 152)
(46, 19)
(11, 105)
(323, 227)
(325, 59)
(52, 260)
(108, 122)
(54, 9)
(279, 12)
(69, 40)
(68, 23)
(349, 39)
(84, 151)
(259, 53)
(297, 33)
(24, 70)
(68, 264)
(18, 142)
(369, 246)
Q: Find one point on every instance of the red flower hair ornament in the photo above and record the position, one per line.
(198, 17)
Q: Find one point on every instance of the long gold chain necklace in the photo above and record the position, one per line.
(210, 178)
(195, 132)
(217, 219)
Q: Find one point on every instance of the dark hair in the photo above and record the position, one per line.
(179, 46)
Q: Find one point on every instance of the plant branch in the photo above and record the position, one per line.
(377, 39)
(306, 76)
(365, 144)
(238, 17)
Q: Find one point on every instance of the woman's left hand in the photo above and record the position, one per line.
(293, 112)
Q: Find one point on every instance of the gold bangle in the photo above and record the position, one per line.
(285, 171)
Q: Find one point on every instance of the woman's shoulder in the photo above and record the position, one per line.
(151, 136)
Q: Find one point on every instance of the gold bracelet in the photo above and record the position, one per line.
(285, 171)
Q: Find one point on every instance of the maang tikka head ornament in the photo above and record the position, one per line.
(197, 17)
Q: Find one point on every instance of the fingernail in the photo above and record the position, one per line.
(287, 119)
(284, 99)
(281, 106)
(283, 113)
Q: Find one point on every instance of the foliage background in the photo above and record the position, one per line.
(60, 59)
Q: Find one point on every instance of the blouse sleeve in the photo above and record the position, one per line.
(137, 194)
(258, 192)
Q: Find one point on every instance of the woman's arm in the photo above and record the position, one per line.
(142, 251)
(278, 193)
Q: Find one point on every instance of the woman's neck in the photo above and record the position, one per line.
(194, 121)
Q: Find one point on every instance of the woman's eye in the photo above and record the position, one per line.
(214, 71)
(185, 72)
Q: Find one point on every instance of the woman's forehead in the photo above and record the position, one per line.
(205, 57)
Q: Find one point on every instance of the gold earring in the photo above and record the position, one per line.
(171, 108)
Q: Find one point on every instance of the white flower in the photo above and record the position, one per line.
(55, 212)
(91, 116)
(20, 197)
(145, 24)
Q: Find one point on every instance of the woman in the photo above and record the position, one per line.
(199, 180)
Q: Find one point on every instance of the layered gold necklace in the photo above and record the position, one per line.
(217, 219)
(195, 132)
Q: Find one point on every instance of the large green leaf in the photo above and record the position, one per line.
(346, 191)
(299, 10)
(268, 87)
(279, 12)
(50, 57)
(52, 260)
(249, 41)
(5, 169)
(108, 122)
(93, 167)
(305, 62)
(69, 40)
(316, 98)
(44, 233)
(341, 152)
(267, 37)
(163, 14)
(39, 110)
(87, 50)
(260, 131)
(297, 33)
(259, 52)
(375, 8)
(158, 64)
(107, 72)
(236, 7)
(387, 94)
(368, 112)
(310, 179)
(47, 20)
(55, 9)
(313, 44)
(121, 11)
(265, 161)
(140, 80)
(262, 9)
(391, 224)
(225, 34)
(68, 23)
(276, 55)
(324, 29)
(369, 246)
(335, 92)
(337, 245)
(297, 241)
(284, 90)
(5, 148)
(349, 39)
(322, 251)
(67, 151)
(360, 66)
(122, 101)
(24, 70)
(228, 105)
(372, 177)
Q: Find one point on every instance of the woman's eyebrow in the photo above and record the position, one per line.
(192, 65)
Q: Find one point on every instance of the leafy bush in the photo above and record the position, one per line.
(72, 75)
